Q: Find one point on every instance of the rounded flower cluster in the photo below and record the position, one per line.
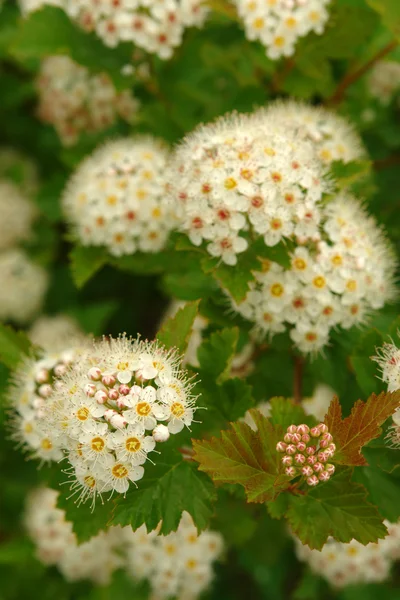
(19, 169)
(388, 359)
(56, 544)
(335, 280)
(30, 396)
(17, 215)
(53, 333)
(346, 564)
(278, 24)
(333, 136)
(109, 412)
(384, 81)
(117, 198)
(306, 452)
(232, 179)
(156, 27)
(178, 565)
(75, 102)
(23, 286)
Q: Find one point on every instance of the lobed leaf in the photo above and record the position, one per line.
(176, 331)
(14, 345)
(217, 352)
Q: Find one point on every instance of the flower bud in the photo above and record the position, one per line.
(323, 428)
(291, 471)
(60, 370)
(292, 429)
(318, 467)
(287, 460)
(90, 390)
(313, 480)
(124, 389)
(307, 471)
(45, 390)
(322, 457)
(327, 437)
(300, 459)
(291, 449)
(108, 380)
(94, 374)
(301, 446)
(303, 429)
(101, 396)
(42, 376)
(305, 438)
(281, 447)
(330, 468)
(296, 437)
(324, 443)
(311, 460)
(315, 432)
(161, 433)
(324, 476)
(113, 394)
(123, 402)
(288, 438)
(311, 450)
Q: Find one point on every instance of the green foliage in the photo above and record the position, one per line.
(85, 262)
(217, 352)
(175, 332)
(14, 346)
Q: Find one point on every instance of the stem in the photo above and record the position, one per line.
(298, 379)
(279, 77)
(353, 76)
(389, 161)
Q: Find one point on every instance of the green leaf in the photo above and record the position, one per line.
(337, 508)
(217, 352)
(243, 456)
(176, 331)
(93, 316)
(168, 488)
(233, 279)
(389, 10)
(14, 346)
(277, 508)
(380, 455)
(285, 412)
(347, 174)
(86, 522)
(48, 198)
(383, 489)
(364, 368)
(85, 262)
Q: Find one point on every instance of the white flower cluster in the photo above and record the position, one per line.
(352, 563)
(56, 544)
(54, 333)
(156, 26)
(335, 280)
(111, 409)
(278, 24)
(232, 177)
(117, 198)
(23, 286)
(178, 565)
(17, 215)
(333, 136)
(388, 359)
(30, 396)
(75, 101)
(28, 6)
(384, 81)
(19, 169)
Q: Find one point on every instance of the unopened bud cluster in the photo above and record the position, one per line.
(306, 452)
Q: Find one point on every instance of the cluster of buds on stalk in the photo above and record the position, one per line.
(307, 451)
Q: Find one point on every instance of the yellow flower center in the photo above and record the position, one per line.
(177, 409)
(143, 409)
(82, 414)
(112, 200)
(277, 290)
(119, 471)
(97, 444)
(132, 444)
(351, 285)
(300, 264)
(319, 282)
(230, 183)
(89, 481)
(28, 428)
(46, 444)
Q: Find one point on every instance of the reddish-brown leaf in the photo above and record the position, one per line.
(360, 427)
(246, 457)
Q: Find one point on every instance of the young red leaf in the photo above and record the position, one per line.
(360, 427)
(247, 457)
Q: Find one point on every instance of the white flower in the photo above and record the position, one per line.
(75, 101)
(54, 333)
(117, 474)
(116, 198)
(384, 80)
(24, 285)
(130, 446)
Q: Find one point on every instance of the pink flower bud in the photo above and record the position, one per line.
(301, 446)
(305, 438)
(109, 380)
(292, 429)
(124, 389)
(60, 370)
(330, 468)
(303, 429)
(315, 432)
(313, 480)
(117, 421)
(281, 447)
(288, 438)
(300, 459)
(296, 437)
(101, 396)
(318, 467)
(324, 476)
(327, 437)
(90, 390)
(324, 443)
(291, 449)
(42, 376)
(322, 457)
(311, 460)
(45, 390)
(329, 452)
(323, 428)
(287, 460)
(113, 394)
(331, 448)
(311, 450)
(291, 471)
(307, 471)
(161, 433)
(94, 374)
(122, 402)
(109, 414)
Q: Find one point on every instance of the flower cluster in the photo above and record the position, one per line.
(333, 136)
(23, 286)
(54, 333)
(178, 565)
(307, 451)
(111, 409)
(17, 215)
(232, 177)
(30, 395)
(117, 198)
(334, 280)
(19, 169)
(56, 544)
(278, 24)
(388, 359)
(384, 81)
(346, 564)
(156, 27)
(76, 102)
(28, 6)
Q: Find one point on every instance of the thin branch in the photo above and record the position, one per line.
(389, 161)
(280, 76)
(298, 379)
(353, 76)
